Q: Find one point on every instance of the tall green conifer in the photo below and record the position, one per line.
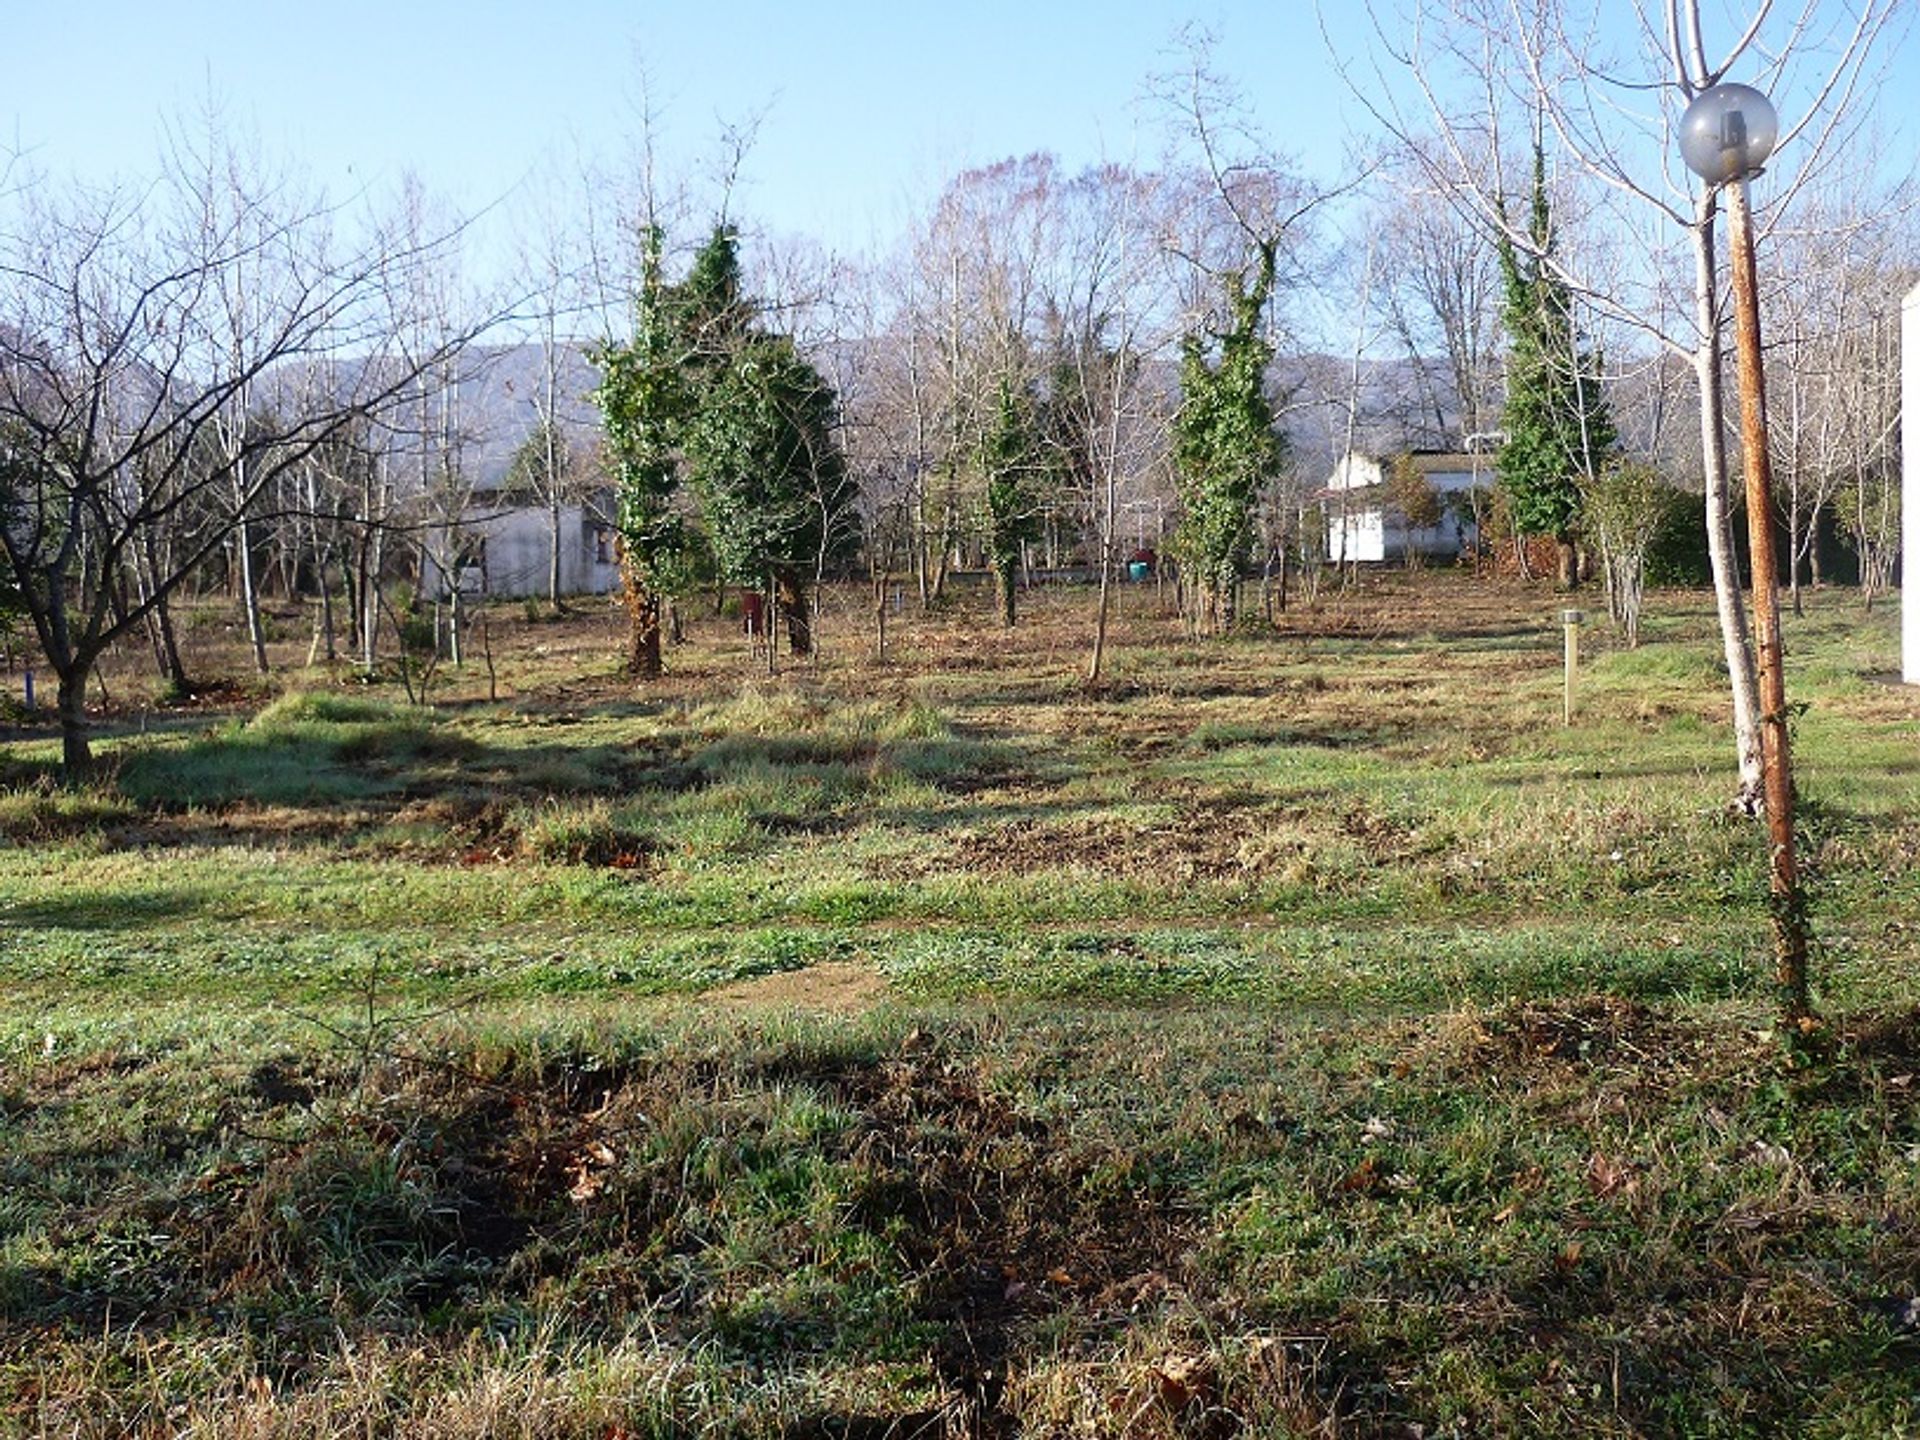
(645, 398)
(762, 453)
(1558, 425)
(1011, 462)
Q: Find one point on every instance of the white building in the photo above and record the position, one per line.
(482, 530)
(1364, 524)
(503, 549)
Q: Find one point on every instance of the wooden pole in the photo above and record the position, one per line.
(1776, 766)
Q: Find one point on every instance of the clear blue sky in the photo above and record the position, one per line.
(870, 105)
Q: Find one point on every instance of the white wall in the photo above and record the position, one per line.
(1360, 536)
(517, 543)
(1910, 487)
(1356, 471)
(1378, 531)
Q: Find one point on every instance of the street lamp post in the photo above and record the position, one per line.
(1726, 135)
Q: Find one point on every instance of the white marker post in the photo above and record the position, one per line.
(1570, 621)
(1910, 488)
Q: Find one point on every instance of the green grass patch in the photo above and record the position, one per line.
(1302, 1034)
(1589, 1215)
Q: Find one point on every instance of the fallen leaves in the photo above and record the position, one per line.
(1608, 1176)
(588, 1170)
(1364, 1179)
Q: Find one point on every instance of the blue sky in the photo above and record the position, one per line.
(869, 105)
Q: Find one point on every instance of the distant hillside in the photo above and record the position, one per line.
(498, 387)
(501, 391)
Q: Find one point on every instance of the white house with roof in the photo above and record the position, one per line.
(486, 533)
(503, 546)
(1364, 524)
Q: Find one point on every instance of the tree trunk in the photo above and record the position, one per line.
(370, 561)
(1102, 609)
(1794, 523)
(1728, 602)
(176, 668)
(920, 552)
(157, 644)
(553, 554)
(250, 596)
(643, 632)
(790, 592)
(166, 644)
(350, 593)
(76, 755)
(937, 587)
(1004, 578)
(326, 608)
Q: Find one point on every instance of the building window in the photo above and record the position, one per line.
(470, 565)
(602, 545)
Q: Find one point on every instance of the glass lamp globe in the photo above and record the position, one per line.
(1727, 133)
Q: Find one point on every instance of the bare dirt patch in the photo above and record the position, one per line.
(1224, 842)
(833, 987)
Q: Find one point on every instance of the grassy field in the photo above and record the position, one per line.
(1300, 1034)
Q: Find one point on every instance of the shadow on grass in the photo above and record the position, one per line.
(106, 912)
(333, 771)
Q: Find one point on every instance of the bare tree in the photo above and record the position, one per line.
(237, 201)
(1625, 506)
(433, 437)
(1110, 321)
(1247, 240)
(982, 250)
(1057, 286)
(1838, 275)
(1453, 77)
(554, 259)
(1439, 283)
(1869, 500)
(119, 385)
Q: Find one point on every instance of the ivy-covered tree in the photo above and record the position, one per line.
(1012, 459)
(645, 398)
(1224, 444)
(702, 392)
(1558, 425)
(773, 484)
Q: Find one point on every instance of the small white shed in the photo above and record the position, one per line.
(1364, 524)
(504, 549)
